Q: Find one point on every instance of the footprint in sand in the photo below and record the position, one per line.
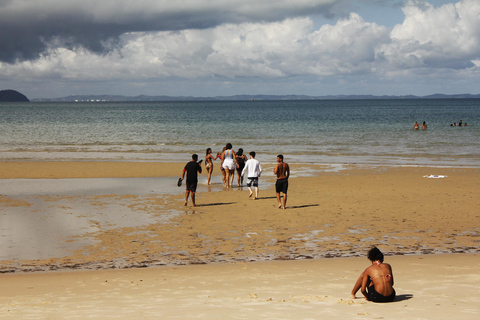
(350, 302)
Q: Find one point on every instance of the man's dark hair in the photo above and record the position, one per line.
(195, 156)
(280, 156)
(252, 153)
(375, 254)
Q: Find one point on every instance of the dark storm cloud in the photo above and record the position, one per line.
(28, 28)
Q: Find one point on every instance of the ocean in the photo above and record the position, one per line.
(378, 132)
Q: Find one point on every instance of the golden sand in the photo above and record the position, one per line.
(329, 214)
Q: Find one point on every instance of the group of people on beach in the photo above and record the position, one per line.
(231, 162)
(375, 283)
(235, 161)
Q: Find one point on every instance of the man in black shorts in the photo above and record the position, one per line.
(282, 170)
(192, 169)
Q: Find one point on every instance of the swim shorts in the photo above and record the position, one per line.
(252, 181)
(281, 185)
(192, 187)
(374, 296)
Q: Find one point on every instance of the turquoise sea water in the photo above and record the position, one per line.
(316, 131)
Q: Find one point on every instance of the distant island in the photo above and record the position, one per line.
(243, 97)
(12, 96)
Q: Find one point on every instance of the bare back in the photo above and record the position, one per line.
(382, 278)
(282, 170)
(209, 159)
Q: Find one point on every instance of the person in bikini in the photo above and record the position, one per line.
(222, 170)
(282, 170)
(376, 282)
(209, 163)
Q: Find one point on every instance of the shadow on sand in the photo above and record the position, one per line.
(215, 204)
(403, 297)
(303, 206)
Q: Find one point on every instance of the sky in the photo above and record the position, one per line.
(202, 48)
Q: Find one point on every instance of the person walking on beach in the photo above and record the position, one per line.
(229, 162)
(224, 175)
(241, 159)
(416, 126)
(424, 125)
(253, 170)
(192, 169)
(376, 282)
(282, 170)
(209, 163)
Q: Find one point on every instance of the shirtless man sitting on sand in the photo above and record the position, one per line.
(376, 282)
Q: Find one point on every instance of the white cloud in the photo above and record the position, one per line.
(347, 47)
(287, 48)
(444, 37)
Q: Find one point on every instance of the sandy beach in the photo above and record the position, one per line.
(428, 287)
(221, 259)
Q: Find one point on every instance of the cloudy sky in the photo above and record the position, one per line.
(56, 48)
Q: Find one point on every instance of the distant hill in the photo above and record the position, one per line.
(12, 96)
(117, 98)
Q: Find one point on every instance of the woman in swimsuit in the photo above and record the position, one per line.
(376, 282)
(229, 163)
(209, 163)
(241, 158)
(220, 156)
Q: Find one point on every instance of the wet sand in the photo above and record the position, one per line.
(330, 214)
